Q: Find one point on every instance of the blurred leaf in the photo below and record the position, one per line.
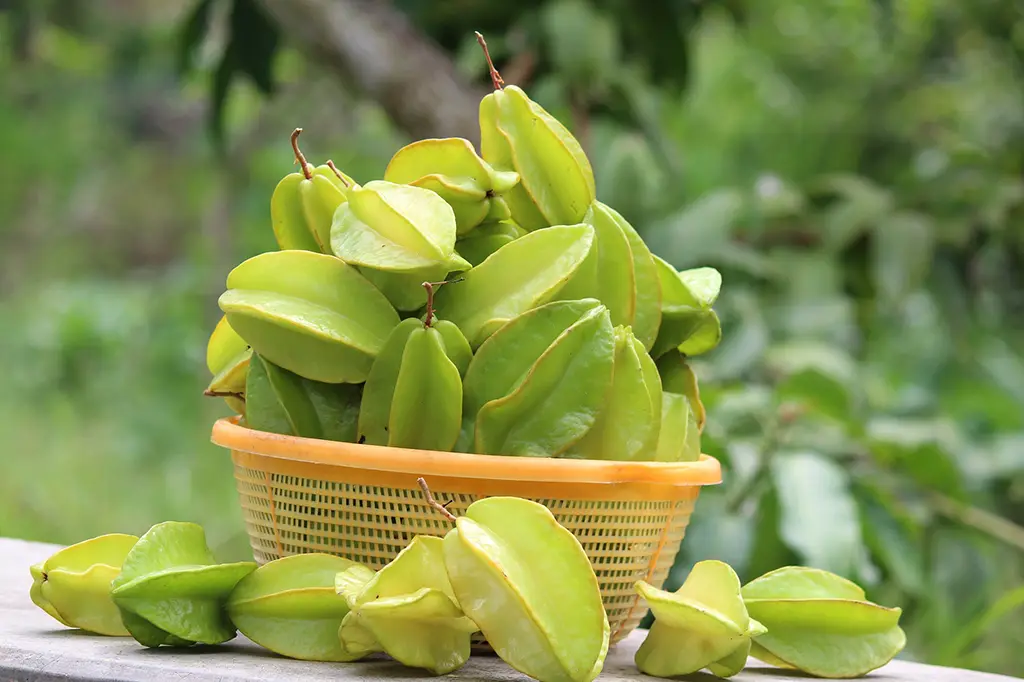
(584, 43)
(192, 32)
(768, 551)
(902, 253)
(701, 230)
(920, 449)
(819, 518)
(714, 533)
(893, 539)
(859, 204)
(821, 377)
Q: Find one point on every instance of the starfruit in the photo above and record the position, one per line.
(688, 323)
(279, 401)
(677, 376)
(303, 204)
(408, 610)
(629, 422)
(679, 438)
(413, 395)
(291, 607)
(529, 586)
(537, 385)
(486, 239)
(703, 624)
(309, 313)
(399, 236)
(556, 181)
(821, 624)
(521, 275)
(451, 168)
(620, 272)
(73, 585)
(227, 357)
(171, 591)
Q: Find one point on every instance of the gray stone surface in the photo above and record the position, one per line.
(35, 648)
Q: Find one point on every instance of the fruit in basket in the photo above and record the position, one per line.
(522, 274)
(486, 239)
(399, 236)
(291, 607)
(527, 583)
(703, 624)
(821, 624)
(303, 204)
(413, 395)
(679, 437)
(677, 376)
(688, 323)
(537, 385)
(309, 313)
(451, 168)
(556, 182)
(73, 585)
(227, 358)
(171, 591)
(408, 610)
(279, 401)
(629, 422)
(620, 272)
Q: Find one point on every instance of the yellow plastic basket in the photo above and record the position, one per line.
(362, 502)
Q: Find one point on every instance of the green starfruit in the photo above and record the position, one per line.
(529, 586)
(227, 357)
(821, 624)
(408, 610)
(521, 275)
(556, 181)
(451, 168)
(171, 591)
(279, 401)
(291, 607)
(688, 322)
(629, 422)
(703, 624)
(399, 236)
(677, 376)
(309, 313)
(487, 238)
(679, 438)
(73, 585)
(537, 385)
(303, 204)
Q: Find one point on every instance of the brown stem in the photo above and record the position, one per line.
(330, 164)
(298, 154)
(224, 394)
(440, 508)
(430, 287)
(496, 78)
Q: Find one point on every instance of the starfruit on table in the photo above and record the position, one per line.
(487, 238)
(73, 585)
(408, 610)
(628, 425)
(620, 271)
(521, 275)
(703, 624)
(529, 586)
(309, 313)
(537, 385)
(291, 607)
(303, 204)
(688, 322)
(821, 624)
(171, 591)
(413, 395)
(227, 357)
(556, 181)
(399, 236)
(279, 401)
(451, 168)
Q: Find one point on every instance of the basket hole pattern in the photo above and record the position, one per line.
(626, 541)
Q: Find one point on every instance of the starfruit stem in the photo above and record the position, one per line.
(440, 508)
(298, 154)
(330, 164)
(224, 394)
(431, 287)
(496, 78)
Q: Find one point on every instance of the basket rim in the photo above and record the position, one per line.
(228, 433)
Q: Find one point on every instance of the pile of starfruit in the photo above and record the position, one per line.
(482, 302)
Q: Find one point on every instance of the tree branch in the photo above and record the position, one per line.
(375, 47)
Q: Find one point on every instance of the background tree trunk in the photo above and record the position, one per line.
(373, 46)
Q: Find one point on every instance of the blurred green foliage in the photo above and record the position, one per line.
(854, 167)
